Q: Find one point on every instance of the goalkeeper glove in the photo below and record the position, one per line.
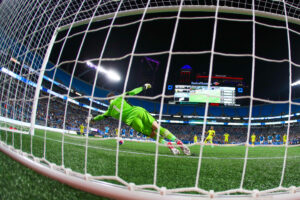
(147, 86)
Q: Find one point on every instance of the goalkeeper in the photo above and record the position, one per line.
(140, 120)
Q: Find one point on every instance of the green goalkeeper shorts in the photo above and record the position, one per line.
(141, 121)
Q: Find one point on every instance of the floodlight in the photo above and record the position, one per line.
(110, 73)
(296, 83)
(113, 75)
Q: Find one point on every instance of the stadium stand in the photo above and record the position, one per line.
(215, 111)
(280, 109)
(188, 110)
(200, 111)
(173, 109)
(266, 110)
(230, 111)
(256, 111)
(243, 111)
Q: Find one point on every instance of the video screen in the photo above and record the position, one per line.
(200, 94)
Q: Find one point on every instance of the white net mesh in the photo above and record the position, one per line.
(44, 46)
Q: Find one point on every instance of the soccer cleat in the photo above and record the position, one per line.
(184, 148)
(173, 149)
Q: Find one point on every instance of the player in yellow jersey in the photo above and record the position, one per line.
(195, 139)
(81, 129)
(211, 133)
(284, 138)
(226, 138)
(253, 138)
(117, 132)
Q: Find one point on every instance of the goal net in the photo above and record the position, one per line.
(59, 60)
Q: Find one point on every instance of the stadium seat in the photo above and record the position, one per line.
(280, 109)
(215, 111)
(200, 111)
(295, 108)
(266, 110)
(149, 106)
(135, 102)
(243, 111)
(188, 110)
(256, 111)
(174, 109)
(230, 111)
(165, 109)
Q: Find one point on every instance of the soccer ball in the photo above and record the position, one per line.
(121, 142)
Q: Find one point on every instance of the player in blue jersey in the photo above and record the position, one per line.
(131, 133)
(123, 132)
(261, 139)
(106, 131)
(277, 138)
(270, 138)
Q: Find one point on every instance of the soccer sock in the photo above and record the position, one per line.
(167, 134)
(160, 140)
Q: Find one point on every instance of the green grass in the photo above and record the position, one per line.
(221, 167)
(20, 183)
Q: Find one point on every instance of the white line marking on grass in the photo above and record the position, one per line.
(171, 156)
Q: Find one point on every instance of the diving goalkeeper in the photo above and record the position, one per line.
(140, 120)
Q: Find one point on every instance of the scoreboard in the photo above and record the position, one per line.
(201, 94)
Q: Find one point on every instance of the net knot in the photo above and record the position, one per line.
(131, 186)
(163, 191)
(87, 177)
(255, 193)
(67, 171)
(211, 194)
(292, 189)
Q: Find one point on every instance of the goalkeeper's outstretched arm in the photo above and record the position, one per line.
(139, 89)
(132, 92)
(100, 117)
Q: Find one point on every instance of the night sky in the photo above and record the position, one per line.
(271, 79)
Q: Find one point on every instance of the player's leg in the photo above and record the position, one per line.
(206, 139)
(167, 134)
(164, 133)
(141, 125)
(211, 142)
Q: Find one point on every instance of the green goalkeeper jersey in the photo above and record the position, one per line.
(114, 108)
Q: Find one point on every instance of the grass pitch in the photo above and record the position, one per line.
(221, 166)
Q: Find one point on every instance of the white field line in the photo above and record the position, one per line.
(172, 156)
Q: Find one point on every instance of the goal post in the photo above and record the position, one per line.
(39, 83)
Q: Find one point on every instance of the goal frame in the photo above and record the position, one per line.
(185, 8)
(102, 188)
(81, 181)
